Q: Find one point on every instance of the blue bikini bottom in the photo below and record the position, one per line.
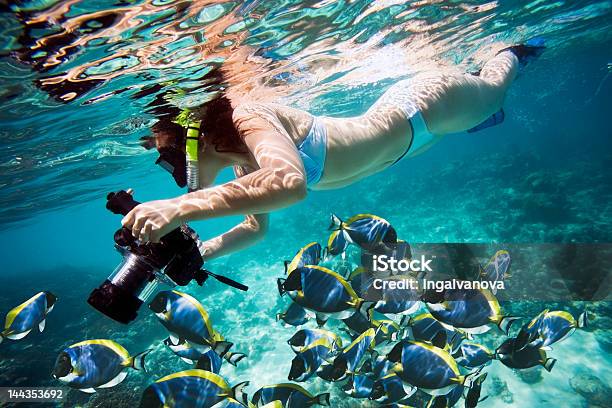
(312, 150)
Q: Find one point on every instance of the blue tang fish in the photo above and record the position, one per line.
(357, 323)
(472, 399)
(473, 355)
(378, 367)
(359, 386)
(496, 269)
(526, 357)
(367, 231)
(391, 389)
(295, 315)
(229, 403)
(30, 314)
(305, 337)
(449, 400)
(232, 403)
(472, 310)
(337, 243)
(350, 359)
(398, 301)
(550, 327)
(387, 330)
(92, 364)
(191, 388)
(429, 368)
(308, 255)
(324, 292)
(361, 280)
(290, 395)
(185, 318)
(206, 357)
(308, 359)
(425, 328)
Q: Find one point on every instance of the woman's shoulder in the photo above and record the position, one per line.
(295, 121)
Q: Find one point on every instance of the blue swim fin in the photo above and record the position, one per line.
(495, 119)
(528, 51)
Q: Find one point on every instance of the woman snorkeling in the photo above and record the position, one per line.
(279, 153)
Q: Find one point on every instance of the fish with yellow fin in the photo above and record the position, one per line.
(30, 314)
(93, 364)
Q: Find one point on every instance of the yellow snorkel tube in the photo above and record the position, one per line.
(191, 155)
(186, 120)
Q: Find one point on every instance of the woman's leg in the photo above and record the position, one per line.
(455, 103)
(500, 71)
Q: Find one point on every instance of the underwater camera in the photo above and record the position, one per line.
(175, 260)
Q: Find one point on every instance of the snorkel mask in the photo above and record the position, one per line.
(183, 165)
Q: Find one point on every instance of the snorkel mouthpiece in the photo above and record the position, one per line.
(191, 155)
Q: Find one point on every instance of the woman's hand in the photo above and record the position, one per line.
(208, 248)
(152, 220)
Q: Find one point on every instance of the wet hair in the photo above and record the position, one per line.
(217, 128)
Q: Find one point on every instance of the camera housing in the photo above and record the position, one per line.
(175, 260)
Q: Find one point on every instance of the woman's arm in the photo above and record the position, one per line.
(279, 182)
(243, 235)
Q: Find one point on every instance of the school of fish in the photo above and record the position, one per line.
(384, 350)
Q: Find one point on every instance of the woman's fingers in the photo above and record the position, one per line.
(128, 220)
(154, 235)
(137, 227)
(130, 191)
(145, 233)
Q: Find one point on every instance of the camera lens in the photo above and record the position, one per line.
(115, 302)
(119, 296)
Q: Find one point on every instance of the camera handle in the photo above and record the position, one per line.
(204, 273)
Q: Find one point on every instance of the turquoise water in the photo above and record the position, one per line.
(543, 176)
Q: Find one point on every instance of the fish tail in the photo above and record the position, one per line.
(4, 334)
(549, 363)
(234, 358)
(481, 379)
(321, 399)
(583, 320)
(239, 394)
(137, 362)
(364, 309)
(336, 223)
(293, 282)
(51, 299)
(280, 282)
(472, 378)
(325, 254)
(506, 322)
(222, 347)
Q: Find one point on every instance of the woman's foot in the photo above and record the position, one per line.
(527, 52)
